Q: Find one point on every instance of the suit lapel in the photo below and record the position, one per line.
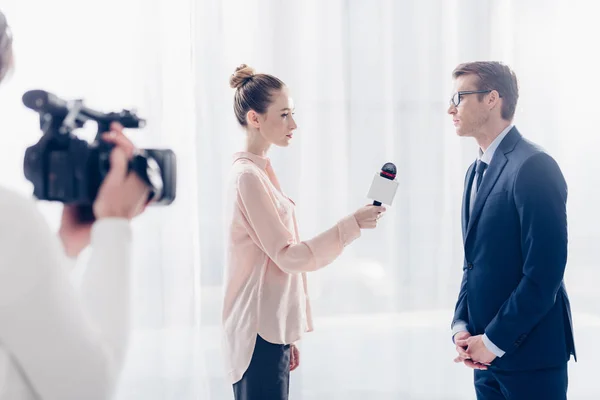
(491, 176)
(489, 180)
(467, 199)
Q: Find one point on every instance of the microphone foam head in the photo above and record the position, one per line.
(388, 170)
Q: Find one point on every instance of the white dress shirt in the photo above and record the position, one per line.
(486, 157)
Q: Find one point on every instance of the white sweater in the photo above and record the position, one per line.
(57, 342)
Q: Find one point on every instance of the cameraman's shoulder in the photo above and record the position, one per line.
(27, 248)
(15, 204)
(15, 208)
(20, 220)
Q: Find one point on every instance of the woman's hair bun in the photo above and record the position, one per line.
(241, 76)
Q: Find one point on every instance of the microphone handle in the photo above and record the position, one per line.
(376, 203)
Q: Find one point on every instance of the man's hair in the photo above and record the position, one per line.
(493, 75)
(6, 51)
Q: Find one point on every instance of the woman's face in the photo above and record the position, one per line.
(277, 125)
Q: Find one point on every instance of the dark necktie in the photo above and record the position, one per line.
(479, 170)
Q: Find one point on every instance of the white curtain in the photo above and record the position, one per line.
(371, 82)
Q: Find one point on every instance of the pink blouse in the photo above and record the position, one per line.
(265, 274)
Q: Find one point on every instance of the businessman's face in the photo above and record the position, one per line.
(468, 112)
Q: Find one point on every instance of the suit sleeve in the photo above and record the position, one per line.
(540, 194)
(460, 321)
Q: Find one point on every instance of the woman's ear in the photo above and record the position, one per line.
(252, 119)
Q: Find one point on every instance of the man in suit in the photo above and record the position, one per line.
(512, 322)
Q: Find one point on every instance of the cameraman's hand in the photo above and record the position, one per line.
(75, 234)
(122, 194)
(368, 216)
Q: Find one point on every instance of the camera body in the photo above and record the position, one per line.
(67, 169)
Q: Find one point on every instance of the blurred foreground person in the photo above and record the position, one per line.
(58, 342)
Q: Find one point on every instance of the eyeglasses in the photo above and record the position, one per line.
(456, 97)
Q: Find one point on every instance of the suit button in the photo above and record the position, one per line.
(470, 266)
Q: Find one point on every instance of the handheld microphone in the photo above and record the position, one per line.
(384, 185)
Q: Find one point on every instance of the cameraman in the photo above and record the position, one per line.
(56, 342)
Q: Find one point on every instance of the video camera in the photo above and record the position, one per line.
(67, 169)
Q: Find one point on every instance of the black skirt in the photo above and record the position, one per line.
(268, 376)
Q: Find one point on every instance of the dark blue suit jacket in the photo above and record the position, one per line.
(515, 245)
